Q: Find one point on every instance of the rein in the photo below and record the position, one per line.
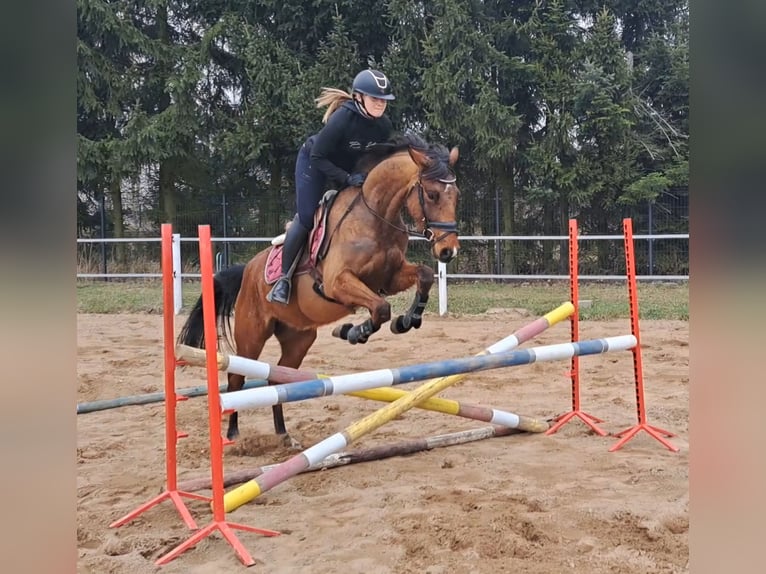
(427, 233)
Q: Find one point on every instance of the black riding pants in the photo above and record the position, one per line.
(309, 186)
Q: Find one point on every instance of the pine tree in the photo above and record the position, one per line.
(555, 47)
(463, 77)
(606, 142)
(107, 46)
(661, 88)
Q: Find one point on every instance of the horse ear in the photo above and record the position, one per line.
(419, 158)
(453, 155)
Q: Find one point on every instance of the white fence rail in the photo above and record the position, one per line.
(442, 275)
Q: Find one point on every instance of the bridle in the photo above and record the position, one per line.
(448, 227)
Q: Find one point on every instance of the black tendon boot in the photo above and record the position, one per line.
(295, 240)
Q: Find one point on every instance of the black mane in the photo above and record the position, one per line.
(438, 153)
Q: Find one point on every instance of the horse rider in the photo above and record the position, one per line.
(353, 123)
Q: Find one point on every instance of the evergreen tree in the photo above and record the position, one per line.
(556, 47)
(463, 76)
(560, 107)
(606, 143)
(661, 88)
(108, 44)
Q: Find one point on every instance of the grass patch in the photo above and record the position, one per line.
(142, 296)
(607, 300)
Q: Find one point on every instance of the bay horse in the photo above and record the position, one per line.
(365, 261)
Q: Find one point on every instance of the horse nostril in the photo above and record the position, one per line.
(446, 255)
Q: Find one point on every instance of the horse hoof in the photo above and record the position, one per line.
(416, 322)
(341, 331)
(398, 326)
(354, 337)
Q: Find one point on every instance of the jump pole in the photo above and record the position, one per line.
(172, 492)
(446, 406)
(342, 384)
(150, 398)
(638, 371)
(280, 374)
(364, 455)
(219, 522)
(250, 490)
(485, 414)
(243, 366)
(460, 409)
(574, 322)
(491, 358)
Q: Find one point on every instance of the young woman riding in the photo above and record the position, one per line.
(353, 123)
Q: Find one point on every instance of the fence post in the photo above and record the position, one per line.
(102, 209)
(651, 241)
(177, 288)
(225, 262)
(442, 288)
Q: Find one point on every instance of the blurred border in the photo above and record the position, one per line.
(37, 258)
(728, 184)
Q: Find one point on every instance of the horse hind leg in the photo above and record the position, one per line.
(294, 344)
(236, 382)
(250, 339)
(409, 275)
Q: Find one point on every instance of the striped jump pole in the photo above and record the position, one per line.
(242, 366)
(251, 368)
(149, 398)
(343, 384)
(281, 374)
(268, 480)
(465, 410)
(485, 414)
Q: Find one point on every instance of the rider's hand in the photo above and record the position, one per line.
(355, 179)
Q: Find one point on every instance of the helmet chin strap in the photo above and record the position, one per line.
(359, 103)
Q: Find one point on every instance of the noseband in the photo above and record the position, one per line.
(448, 227)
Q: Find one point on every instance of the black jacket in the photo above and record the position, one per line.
(342, 141)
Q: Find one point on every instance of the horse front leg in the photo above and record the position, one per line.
(348, 289)
(409, 275)
(356, 333)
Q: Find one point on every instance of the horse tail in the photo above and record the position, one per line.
(226, 286)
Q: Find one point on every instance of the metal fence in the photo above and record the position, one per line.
(241, 227)
(658, 257)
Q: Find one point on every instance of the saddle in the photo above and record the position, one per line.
(318, 243)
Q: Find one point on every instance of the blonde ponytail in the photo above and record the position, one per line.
(332, 98)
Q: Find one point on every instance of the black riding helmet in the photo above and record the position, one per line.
(373, 83)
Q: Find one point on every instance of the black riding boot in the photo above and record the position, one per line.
(295, 241)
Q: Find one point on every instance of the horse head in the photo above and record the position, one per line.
(432, 202)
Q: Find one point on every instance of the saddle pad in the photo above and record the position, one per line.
(273, 268)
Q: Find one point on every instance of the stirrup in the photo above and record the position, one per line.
(280, 293)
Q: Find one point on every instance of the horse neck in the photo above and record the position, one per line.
(390, 187)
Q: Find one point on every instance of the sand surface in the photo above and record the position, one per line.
(531, 503)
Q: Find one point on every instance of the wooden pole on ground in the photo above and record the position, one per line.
(362, 455)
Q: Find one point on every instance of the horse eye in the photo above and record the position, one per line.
(432, 195)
